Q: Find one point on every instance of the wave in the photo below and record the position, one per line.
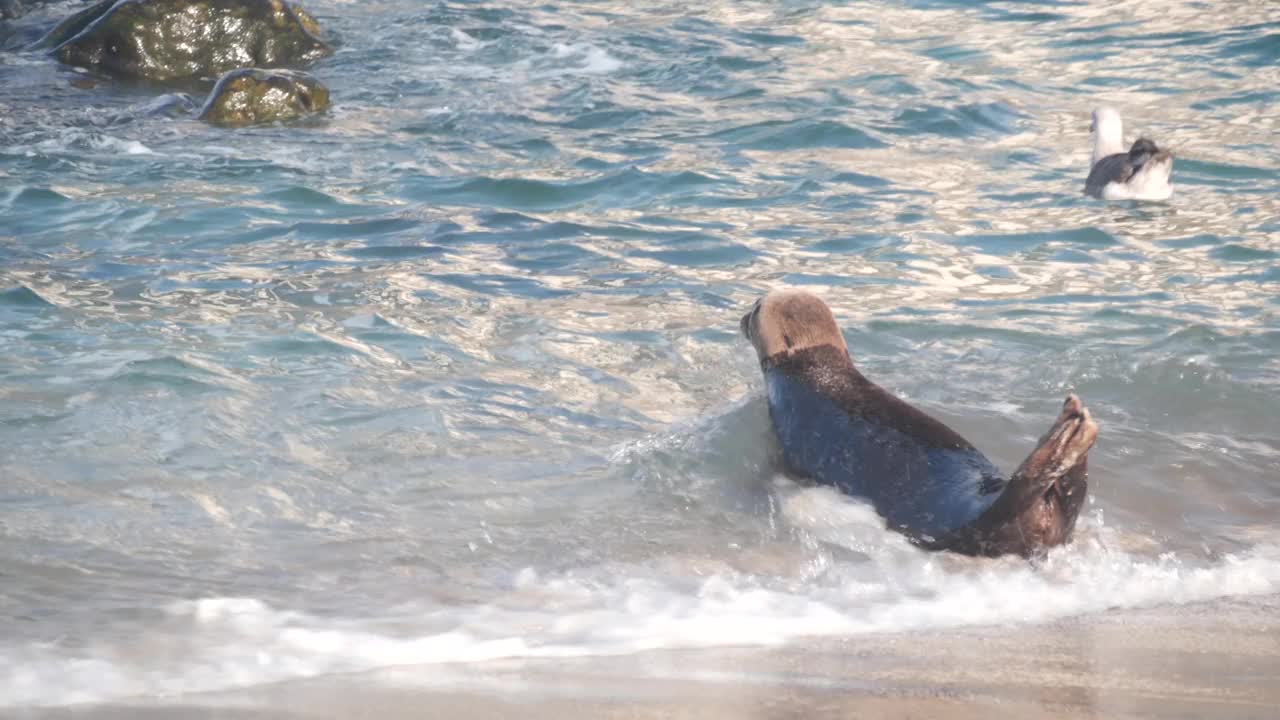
(221, 643)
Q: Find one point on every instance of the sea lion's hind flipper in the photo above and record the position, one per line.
(1071, 491)
(1057, 455)
(1039, 505)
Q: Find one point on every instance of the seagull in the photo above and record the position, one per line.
(1140, 174)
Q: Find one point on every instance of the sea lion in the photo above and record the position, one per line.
(838, 428)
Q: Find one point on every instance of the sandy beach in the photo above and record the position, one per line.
(1218, 660)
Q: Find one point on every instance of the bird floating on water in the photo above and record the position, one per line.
(1142, 173)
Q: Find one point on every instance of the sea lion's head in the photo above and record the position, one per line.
(785, 322)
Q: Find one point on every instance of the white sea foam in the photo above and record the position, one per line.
(587, 59)
(464, 41)
(223, 643)
(77, 140)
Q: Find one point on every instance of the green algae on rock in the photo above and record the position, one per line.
(187, 39)
(250, 95)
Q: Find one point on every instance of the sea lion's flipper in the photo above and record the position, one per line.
(1057, 456)
(1039, 505)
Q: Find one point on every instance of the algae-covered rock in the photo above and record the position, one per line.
(250, 95)
(187, 39)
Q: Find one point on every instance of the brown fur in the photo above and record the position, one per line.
(1039, 507)
(795, 332)
(785, 322)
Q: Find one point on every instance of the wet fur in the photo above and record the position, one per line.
(796, 335)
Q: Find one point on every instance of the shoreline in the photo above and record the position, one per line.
(1206, 660)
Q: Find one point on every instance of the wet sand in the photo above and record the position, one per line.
(1219, 660)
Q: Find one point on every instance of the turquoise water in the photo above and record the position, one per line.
(453, 374)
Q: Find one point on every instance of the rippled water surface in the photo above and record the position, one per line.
(453, 374)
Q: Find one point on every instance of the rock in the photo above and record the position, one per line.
(250, 95)
(174, 40)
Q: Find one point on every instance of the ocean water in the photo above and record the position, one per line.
(453, 373)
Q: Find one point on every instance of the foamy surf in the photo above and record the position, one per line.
(76, 142)
(213, 644)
